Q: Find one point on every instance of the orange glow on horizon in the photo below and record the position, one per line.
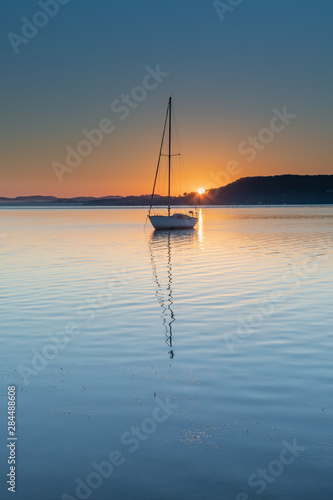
(115, 169)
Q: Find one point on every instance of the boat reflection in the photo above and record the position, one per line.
(160, 245)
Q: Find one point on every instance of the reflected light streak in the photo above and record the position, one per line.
(200, 228)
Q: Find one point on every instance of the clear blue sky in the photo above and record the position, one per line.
(226, 77)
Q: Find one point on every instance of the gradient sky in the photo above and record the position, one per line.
(226, 77)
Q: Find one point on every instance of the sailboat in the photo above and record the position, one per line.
(175, 220)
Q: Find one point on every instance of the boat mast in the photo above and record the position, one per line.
(159, 160)
(169, 155)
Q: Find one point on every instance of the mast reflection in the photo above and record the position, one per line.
(160, 244)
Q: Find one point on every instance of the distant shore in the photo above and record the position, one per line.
(272, 190)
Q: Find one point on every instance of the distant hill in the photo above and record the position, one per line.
(272, 190)
(28, 199)
(277, 190)
(52, 200)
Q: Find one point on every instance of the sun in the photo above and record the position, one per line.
(201, 190)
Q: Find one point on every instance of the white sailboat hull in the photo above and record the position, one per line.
(175, 221)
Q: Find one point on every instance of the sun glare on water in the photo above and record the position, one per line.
(201, 190)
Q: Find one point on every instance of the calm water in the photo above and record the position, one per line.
(198, 362)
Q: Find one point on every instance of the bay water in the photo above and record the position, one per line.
(166, 365)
